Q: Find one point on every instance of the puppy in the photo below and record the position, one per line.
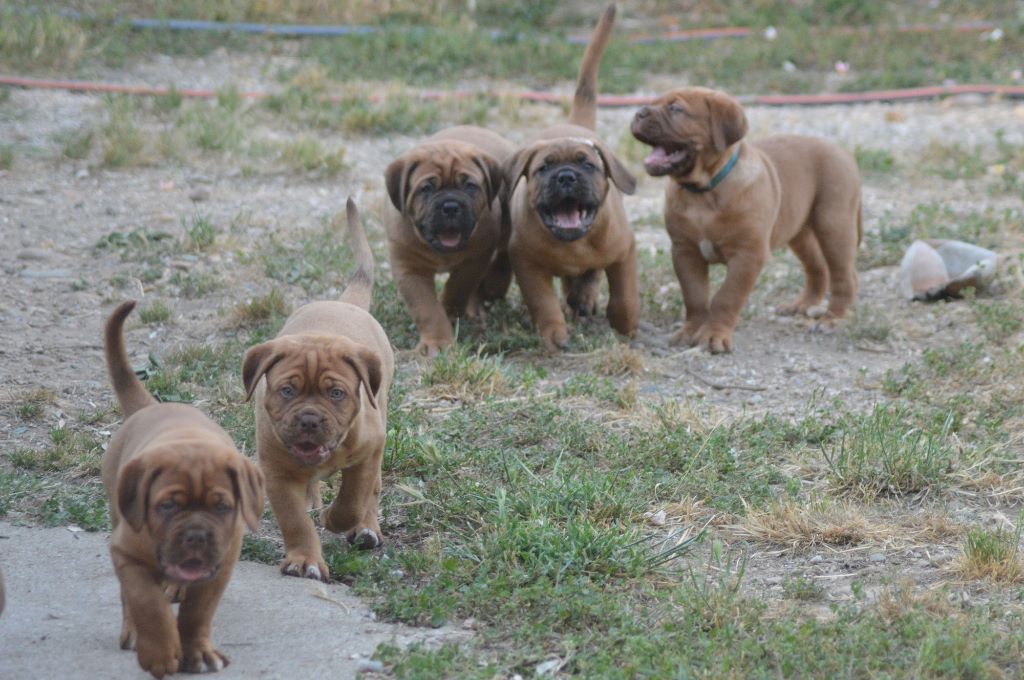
(321, 395)
(448, 213)
(179, 494)
(732, 202)
(567, 215)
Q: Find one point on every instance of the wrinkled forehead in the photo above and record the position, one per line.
(691, 100)
(314, 359)
(194, 473)
(568, 150)
(448, 161)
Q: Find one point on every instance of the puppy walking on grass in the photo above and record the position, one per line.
(321, 395)
(567, 215)
(180, 495)
(732, 202)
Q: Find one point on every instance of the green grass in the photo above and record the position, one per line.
(76, 143)
(262, 309)
(158, 312)
(993, 554)
(884, 454)
(874, 161)
(6, 156)
(314, 259)
(200, 234)
(124, 142)
(307, 154)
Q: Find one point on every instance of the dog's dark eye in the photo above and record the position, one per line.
(543, 168)
(470, 185)
(675, 108)
(222, 508)
(166, 507)
(427, 188)
(287, 391)
(588, 166)
(336, 394)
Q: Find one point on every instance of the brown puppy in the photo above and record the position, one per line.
(322, 408)
(179, 493)
(734, 202)
(567, 215)
(449, 214)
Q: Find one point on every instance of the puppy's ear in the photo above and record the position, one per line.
(615, 170)
(258, 360)
(248, 482)
(728, 121)
(396, 177)
(494, 175)
(517, 164)
(133, 484)
(368, 367)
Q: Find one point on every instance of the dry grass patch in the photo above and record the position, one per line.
(458, 373)
(618, 360)
(992, 555)
(261, 309)
(820, 522)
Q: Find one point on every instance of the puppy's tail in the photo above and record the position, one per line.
(131, 394)
(359, 291)
(584, 103)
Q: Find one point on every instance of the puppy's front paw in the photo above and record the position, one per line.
(364, 538)
(715, 340)
(159, 657)
(303, 566)
(554, 338)
(687, 335)
(430, 348)
(202, 657)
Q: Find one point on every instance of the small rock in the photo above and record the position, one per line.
(83, 173)
(369, 666)
(36, 254)
(817, 559)
(657, 518)
(45, 273)
(199, 194)
(877, 557)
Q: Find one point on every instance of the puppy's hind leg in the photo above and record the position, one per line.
(354, 511)
(581, 292)
(807, 249)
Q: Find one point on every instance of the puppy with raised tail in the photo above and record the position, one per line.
(448, 213)
(180, 496)
(321, 395)
(568, 220)
(732, 202)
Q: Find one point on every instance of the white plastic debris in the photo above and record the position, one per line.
(933, 270)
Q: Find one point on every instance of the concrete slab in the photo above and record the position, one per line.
(63, 616)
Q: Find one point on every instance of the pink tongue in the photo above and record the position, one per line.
(185, 574)
(658, 156)
(572, 219)
(449, 238)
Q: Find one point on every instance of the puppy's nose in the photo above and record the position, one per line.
(451, 208)
(309, 422)
(197, 538)
(566, 178)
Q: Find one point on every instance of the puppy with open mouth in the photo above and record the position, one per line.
(732, 202)
(449, 213)
(180, 497)
(568, 220)
(321, 395)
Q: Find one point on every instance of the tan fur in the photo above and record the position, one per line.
(790, 190)
(538, 256)
(478, 271)
(178, 490)
(324, 349)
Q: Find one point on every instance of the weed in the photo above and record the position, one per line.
(993, 554)
(952, 161)
(875, 161)
(261, 309)
(306, 153)
(6, 156)
(170, 101)
(31, 402)
(255, 549)
(123, 140)
(75, 144)
(211, 128)
(40, 39)
(458, 373)
(884, 454)
(998, 319)
(195, 284)
(199, 234)
(315, 260)
(158, 312)
(69, 452)
(867, 323)
(802, 589)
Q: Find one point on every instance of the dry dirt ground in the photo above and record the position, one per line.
(58, 286)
